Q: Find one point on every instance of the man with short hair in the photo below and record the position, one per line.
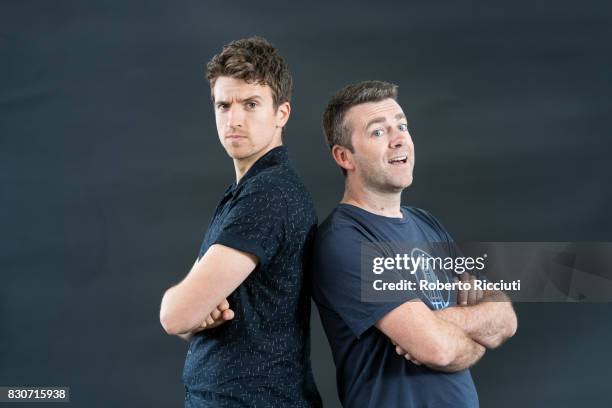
(244, 304)
(368, 135)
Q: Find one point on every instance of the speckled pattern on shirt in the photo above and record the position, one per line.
(261, 358)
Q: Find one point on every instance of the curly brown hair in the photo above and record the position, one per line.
(253, 60)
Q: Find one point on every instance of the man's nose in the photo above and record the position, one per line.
(235, 116)
(398, 139)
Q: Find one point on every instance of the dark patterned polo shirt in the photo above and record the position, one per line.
(261, 358)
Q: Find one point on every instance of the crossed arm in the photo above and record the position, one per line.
(489, 322)
(191, 305)
(451, 339)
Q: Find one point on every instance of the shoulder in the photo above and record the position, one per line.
(263, 187)
(337, 223)
(279, 180)
(339, 232)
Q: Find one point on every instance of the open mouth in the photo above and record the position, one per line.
(398, 159)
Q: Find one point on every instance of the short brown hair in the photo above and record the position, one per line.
(253, 60)
(337, 131)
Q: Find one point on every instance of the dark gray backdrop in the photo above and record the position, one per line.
(111, 168)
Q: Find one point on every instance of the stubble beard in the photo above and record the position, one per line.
(381, 182)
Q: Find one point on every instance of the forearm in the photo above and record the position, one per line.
(167, 304)
(490, 322)
(432, 341)
(218, 273)
(178, 314)
(458, 350)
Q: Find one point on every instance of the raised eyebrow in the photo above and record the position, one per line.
(383, 120)
(374, 121)
(400, 116)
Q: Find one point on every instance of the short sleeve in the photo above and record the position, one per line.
(256, 222)
(337, 279)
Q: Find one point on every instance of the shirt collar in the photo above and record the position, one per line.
(278, 155)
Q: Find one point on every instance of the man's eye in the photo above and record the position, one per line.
(378, 133)
(403, 127)
(222, 106)
(251, 105)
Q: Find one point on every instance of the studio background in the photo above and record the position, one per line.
(111, 169)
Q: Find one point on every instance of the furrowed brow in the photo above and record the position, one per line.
(251, 98)
(248, 98)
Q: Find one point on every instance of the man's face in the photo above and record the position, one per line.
(247, 122)
(383, 157)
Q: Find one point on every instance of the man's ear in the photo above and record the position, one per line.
(343, 157)
(282, 114)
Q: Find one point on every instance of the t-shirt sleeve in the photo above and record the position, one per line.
(256, 222)
(337, 279)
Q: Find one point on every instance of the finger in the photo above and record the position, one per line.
(481, 294)
(210, 320)
(215, 314)
(204, 324)
(224, 305)
(399, 350)
(215, 324)
(228, 314)
(415, 362)
(407, 357)
(472, 296)
(462, 294)
(220, 321)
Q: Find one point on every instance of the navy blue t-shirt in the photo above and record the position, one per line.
(261, 358)
(369, 373)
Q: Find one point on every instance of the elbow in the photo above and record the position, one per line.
(508, 331)
(170, 324)
(170, 316)
(173, 323)
(512, 326)
(174, 326)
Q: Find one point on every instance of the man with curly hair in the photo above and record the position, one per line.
(244, 306)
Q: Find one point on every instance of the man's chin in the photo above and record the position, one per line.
(238, 154)
(402, 184)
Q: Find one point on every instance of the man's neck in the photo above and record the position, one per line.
(387, 204)
(242, 166)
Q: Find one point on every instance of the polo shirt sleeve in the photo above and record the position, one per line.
(256, 222)
(337, 279)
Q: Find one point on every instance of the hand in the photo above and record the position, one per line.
(400, 351)
(220, 315)
(468, 297)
